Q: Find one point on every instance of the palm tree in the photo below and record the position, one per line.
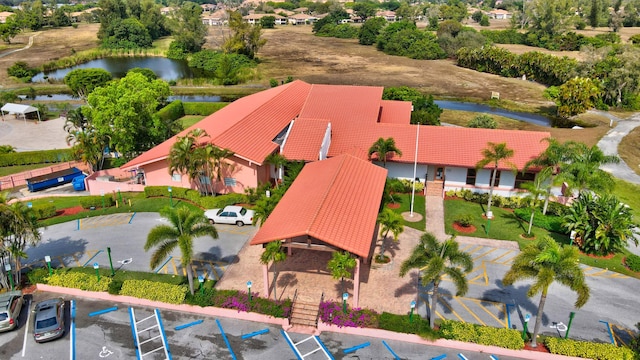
(278, 161)
(545, 262)
(382, 148)
(340, 266)
(495, 154)
(273, 253)
(583, 170)
(216, 165)
(390, 221)
(187, 156)
(549, 163)
(536, 188)
(185, 226)
(436, 259)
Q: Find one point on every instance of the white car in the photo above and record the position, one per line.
(230, 215)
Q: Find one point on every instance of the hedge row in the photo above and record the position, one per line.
(587, 350)
(78, 280)
(402, 324)
(548, 222)
(484, 335)
(206, 202)
(202, 108)
(171, 112)
(36, 157)
(633, 262)
(156, 291)
(44, 211)
(96, 202)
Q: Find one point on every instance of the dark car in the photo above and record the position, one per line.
(48, 320)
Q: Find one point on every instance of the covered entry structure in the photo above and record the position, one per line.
(331, 206)
(19, 109)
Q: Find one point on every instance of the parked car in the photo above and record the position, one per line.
(10, 306)
(230, 215)
(48, 320)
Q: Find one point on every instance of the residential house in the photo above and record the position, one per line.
(309, 122)
(499, 14)
(254, 19)
(167, 10)
(217, 18)
(302, 19)
(387, 15)
(208, 7)
(4, 15)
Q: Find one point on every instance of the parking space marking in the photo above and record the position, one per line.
(484, 254)
(500, 306)
(492, 308)
(598, 272)
(475, 275)
(105, 220)
(508, 252)
(623, 336)
(470, 312)
(26, 328)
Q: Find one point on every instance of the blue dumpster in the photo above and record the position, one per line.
(54, 179)
(78, 183)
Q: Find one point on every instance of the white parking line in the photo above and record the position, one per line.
(26, 328)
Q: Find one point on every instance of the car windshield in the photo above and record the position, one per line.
(41, 324)
(243, 211)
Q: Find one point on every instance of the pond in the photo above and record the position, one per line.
(165, 69)
(522, 116)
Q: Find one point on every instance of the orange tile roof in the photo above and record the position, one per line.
(335, 201)
(305, 139)
(395, 112)
(349, 105)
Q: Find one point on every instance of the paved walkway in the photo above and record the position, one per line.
(609, 145)
(29, 135)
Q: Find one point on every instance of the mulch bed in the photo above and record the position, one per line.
(464, 230)
(539, 348)
(599, 257)
(70, 211)
(393, 206)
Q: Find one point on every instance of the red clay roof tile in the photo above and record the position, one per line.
(305, 139)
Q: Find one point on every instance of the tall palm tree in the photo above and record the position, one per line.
(216, 165)
(383, 148)
(390, 222)
(278, 161)
(187, 156)
(537, 189)
(185, 225)
(494, 154)
(273, 253)
(436, 259)
(549, 163)
(340, 266)
(545, 262)
(583, 169)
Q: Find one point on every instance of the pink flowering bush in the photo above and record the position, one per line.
(239, 300)
(331, 313)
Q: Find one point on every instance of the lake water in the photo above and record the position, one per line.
(165, 69)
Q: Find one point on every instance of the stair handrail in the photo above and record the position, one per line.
(293, 301)
(318, 315)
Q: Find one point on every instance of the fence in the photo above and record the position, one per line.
(17, 180)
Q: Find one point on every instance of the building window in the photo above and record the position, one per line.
(497, 183)
(176, 177)
(471, 176)
(524, 178)
(229, 182)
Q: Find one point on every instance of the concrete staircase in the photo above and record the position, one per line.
(304, 313)
(434, 188)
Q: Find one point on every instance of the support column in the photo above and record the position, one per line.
(265, 280)
(356, 285)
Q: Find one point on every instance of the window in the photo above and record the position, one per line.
(471, 176)
(497, 183)
(229, 182)
(176, 177)
(524, 178)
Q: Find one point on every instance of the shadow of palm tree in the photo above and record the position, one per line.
(516, 296)
(511, 219)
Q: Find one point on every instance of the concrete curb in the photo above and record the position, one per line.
(375, 333)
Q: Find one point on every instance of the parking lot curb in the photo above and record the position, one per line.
(284, 323)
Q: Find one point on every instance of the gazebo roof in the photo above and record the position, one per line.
(18, 108)
(335, 201)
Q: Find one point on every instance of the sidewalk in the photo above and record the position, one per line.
(609, 146)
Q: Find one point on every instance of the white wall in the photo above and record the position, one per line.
(455, 176)
(326, 143)
(404, 170)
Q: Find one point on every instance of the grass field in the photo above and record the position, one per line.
(418, 208)
(629, 194)
(189, 120)
(10, 170)
(629, 150)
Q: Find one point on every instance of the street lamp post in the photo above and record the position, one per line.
(345, 296)
(170, 190)
(413, 306)
(97, 267)
(110, 261)
(249, 283)
(7, 267)
(201, 280)
(526, 324)
(48, 260)
(571, 315)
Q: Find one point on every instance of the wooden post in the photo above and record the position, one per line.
(356, 284)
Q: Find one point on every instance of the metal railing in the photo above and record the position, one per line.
(293, 301)
(318, 314)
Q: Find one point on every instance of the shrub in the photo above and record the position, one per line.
(38, 276)
(239, 300)
(221, 201)
(171, 112)
(96, 202)
(587, 350)
(635, 39)
(633, 262)
(155, 291)
(78, 280)
(202, 108)
(273, 82)
(44, 211)
(207, 202)
(483, 121)
(203, 299)
(114, 287)
(464, 220)
(35, 157)
(21, 70)
(548, 222)
(401, 324)
(331, 313)
(484, 335)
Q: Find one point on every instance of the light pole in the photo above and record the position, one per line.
(48, 260)
(97, 267)
(249, 283)
(201, 280)
(413, 306)
(7, 267)
(110, 261)
(170, 190)
(345, 296)
(526, 324)
(571, 315)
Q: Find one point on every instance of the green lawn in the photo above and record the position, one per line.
(628, 194)
(506, 226)
(405, 206)
(189, 120)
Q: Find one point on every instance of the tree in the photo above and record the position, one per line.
(273, 253)
(370, 30)
(602, 224)
(340, 266)
(189, 31)
(536, 190)
(125, 110)
(577, 96)
(582, 171)
(425, 110)
(383, 148)
(549, 163)
(278, 161)
(9, 29)
(550, 17)
(268, 22)
(185, 226)
(60, 18)
(128, 33)
(545, 262)
(246, 39)
(186, 156)
(217, 166)
(594, 14)
(495, 154)
(365, 9)
(390, 222)
(83, 81)
(88, 144)
(436, 259)
(483, 121)
(477, 16)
